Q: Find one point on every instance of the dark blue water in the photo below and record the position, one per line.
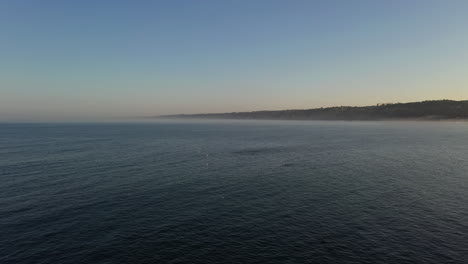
(234, 192)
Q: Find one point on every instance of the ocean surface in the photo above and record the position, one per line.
(234, 192)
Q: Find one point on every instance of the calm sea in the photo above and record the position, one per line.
(234, 192)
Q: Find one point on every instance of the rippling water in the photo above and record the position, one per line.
(234, 192)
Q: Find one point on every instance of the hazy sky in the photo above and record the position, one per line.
(78, 60)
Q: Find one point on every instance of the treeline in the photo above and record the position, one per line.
(440, 109)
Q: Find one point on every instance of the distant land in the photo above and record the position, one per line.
(425, 110)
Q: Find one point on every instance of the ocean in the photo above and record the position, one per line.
(234, 192)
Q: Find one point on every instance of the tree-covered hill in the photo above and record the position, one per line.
(440, 109)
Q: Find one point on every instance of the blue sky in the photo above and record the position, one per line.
(80, 60)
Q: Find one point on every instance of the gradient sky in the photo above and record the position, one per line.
(83, 60)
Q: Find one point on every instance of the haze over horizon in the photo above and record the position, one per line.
(90, 60)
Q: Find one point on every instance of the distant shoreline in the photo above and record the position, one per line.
(438, 110)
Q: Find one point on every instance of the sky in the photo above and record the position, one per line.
(96, 59)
